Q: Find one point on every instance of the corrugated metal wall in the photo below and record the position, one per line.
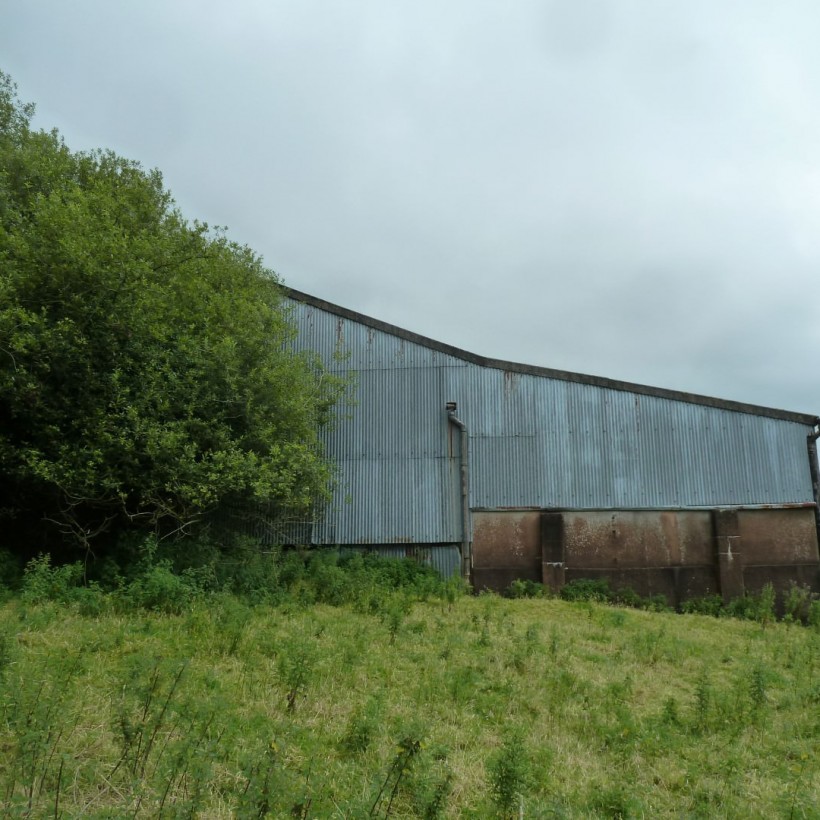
(535, 442)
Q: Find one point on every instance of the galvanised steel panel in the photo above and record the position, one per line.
(392, 501)
(535, 442)
(344, 344)
(444, 558)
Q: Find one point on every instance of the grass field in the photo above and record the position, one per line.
(480, 707)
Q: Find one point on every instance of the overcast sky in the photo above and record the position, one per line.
(629, 189)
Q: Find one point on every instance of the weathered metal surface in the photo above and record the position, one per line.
(778, 536)
(782, 577)
(307, 301)
(646, 538)
(535, 441)
(645, 582)
(507, 540)
(498, 580)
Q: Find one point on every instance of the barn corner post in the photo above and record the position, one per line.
(811, 441)
(464, 458)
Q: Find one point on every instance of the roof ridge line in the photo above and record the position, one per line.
(548, 372)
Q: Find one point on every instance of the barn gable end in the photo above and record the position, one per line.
(637, 480)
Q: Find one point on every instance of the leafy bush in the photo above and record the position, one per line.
(159, 589)
(525, 588)
(753, 607)
(43, 582)
(587, 589)
(706, 605)
(797, 603)
(814, 615)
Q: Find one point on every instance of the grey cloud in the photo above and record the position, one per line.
(627, 189)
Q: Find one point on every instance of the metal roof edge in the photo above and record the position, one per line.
(548, 372)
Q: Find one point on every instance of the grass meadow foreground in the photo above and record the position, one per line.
(472, 707)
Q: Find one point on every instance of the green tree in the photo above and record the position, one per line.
(147, 374)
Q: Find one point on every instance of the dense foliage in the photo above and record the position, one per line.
(146, 372)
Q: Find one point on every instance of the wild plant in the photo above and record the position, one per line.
(814, 615)
(397, 609)
(509, 772)
(703, 700)
(525, 588)
(706, 605)
(615, 801)
(797, 603)
(32, 708)
(407, 750)
(523, 648)
(42, 582)
(362, 727)
(757, 688)
(429, 783)
(232, 619)
(794, 796)
(146, 714)
(187, 756)
(648, 645)
(670, 714)
(587, 589)
(266, 783)
(295, 663)
(765, 614)
(452, 589)
(436, 802)
(158, 588)
(554, 643)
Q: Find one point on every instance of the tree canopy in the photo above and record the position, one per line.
(147, 374)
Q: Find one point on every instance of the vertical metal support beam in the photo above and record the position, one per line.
(811, 441)
(464, 457)
(728, 554)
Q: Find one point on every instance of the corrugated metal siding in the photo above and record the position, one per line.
(445, 558)
(535, 442)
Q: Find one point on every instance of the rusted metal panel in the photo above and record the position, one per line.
(624, 539)
(778, 536)
(782, 578)
(499, 579)
(507, 540)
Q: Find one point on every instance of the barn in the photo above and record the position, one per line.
(506, 471)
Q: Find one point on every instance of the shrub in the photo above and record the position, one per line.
(42, 582)
(707, 605)
(587, 589)
(509, 772)
(525, 588)
(797, 603)
(159, 589)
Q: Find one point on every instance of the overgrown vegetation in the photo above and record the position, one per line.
(362, 687)
(146, 370)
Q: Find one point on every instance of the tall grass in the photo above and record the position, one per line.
(405, 702)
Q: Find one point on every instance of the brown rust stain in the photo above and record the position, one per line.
(776, 537)
(632, 539)
(506, 539)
